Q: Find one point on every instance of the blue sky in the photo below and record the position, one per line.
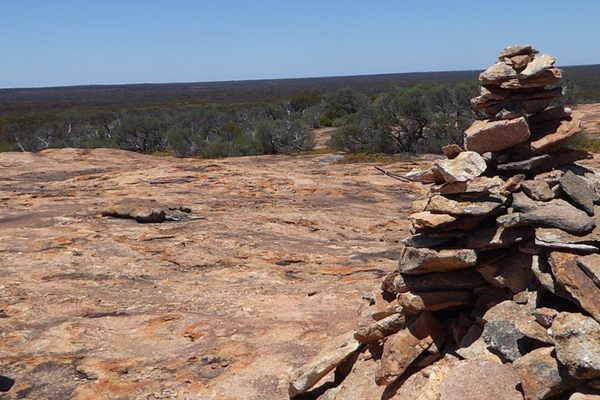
(69, 42)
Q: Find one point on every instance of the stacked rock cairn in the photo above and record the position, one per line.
(497, 294)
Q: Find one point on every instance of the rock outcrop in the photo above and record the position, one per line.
(501, 276)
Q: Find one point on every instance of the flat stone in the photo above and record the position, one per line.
(488, 238)
(578, 190)
(486, 135)
(591, 266)
(576, 282)
(478, 185)
(341, 348)
(424, 239)
(360, 382)
(428, 175)
(556, 213)
(578, 344)
(517, 103)
(472, 380)
(481, 206)
(513, 271)
(557, 239)
(551, 76)
(422, 260)
(539, 64)
(401, 349)
(497, 72)
(541, 375)
(550, 114)
(427, 220)
(543, 163)
(379, 330)
(414, 302)
(496, 237)
(517, 50)
(543, 273)
(426, 383)
(465, 166)
(551, 138)
(537, 190)
(437, 281)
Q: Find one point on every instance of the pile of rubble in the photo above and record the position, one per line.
(497, 294)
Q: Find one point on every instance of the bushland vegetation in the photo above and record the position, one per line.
(402, 113)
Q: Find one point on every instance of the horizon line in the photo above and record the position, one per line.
(90, 85)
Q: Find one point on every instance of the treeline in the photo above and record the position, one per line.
(207, 131)
(417, 118)
(414, 119)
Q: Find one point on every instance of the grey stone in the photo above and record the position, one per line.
(543, 163)
(579, 191)
(556, 213)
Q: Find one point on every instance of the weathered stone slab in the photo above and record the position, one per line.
(471, 380)
(379, 330)
(539, 64)
(465, 166)
(326, 361)
(512, 271)
(486, 135)
(516, 50)
(591, 266)
(556, 213)
(541, 375)
(568, 274)
(543, 163)
(497, 72)
(478, 185)
(551, 76)
(415, 302)
(360, 382)
(543, 273)
(428, 175)
(550, 114)
(578, 190)
(481, 206)
(578, 344)
(425, 384)
(401, 349)
(560, 240)
(423, 260)
(437, 281)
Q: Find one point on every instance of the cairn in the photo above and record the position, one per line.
(497, 294)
